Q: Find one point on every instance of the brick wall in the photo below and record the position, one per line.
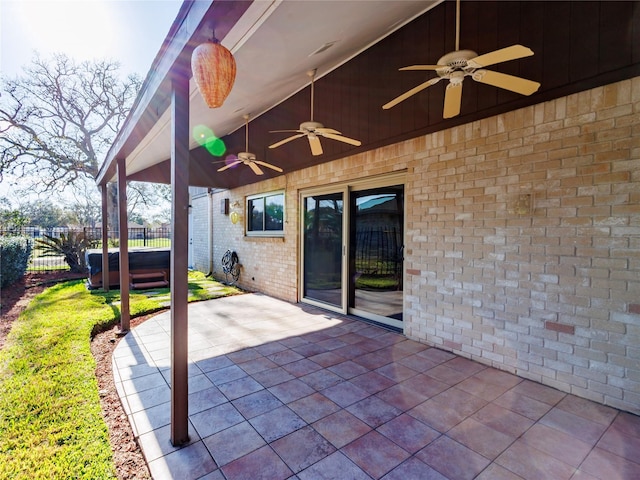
(550, 292)
(547, 294)
(267, 264)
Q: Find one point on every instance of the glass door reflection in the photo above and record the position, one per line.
(376, 253)
(323, 248)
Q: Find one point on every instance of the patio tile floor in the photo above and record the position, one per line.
(282, 391)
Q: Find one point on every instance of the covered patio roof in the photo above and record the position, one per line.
(274, 44)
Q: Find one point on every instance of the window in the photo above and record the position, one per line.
(265, 214)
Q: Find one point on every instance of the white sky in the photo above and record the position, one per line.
(128, 31)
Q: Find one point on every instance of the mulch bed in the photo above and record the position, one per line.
(127, 455)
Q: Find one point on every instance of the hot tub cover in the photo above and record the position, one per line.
(139, 259)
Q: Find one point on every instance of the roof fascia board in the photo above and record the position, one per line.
(256, 14)
(155, 95)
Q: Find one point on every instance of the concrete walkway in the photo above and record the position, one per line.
(283, 391)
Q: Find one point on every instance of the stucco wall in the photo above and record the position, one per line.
(551, 294)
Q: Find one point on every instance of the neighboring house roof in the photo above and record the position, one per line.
(380, 204)
(130, 225)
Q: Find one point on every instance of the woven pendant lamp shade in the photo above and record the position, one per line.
(214, 71)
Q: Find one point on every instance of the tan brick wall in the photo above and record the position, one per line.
(268, 265)
(546, 294)
(551, 294)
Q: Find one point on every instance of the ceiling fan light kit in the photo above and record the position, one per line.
(455, 66)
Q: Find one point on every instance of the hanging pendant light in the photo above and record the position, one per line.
(214, 71)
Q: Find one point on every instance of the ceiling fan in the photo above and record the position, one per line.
(313, 130)
(248, 158)
(455, 66)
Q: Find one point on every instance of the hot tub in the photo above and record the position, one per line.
(144, 263)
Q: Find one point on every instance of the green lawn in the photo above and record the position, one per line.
(150, 242)
(50, 419)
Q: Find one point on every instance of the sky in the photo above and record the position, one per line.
(127, 31)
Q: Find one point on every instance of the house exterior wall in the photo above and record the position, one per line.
(551, 294)
(201, 229)
(267, 264)
(547, 295)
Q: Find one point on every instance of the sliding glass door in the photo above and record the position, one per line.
(376, 253)
(323, 248)
(352, 240)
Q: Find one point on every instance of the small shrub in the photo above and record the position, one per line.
(14, 258)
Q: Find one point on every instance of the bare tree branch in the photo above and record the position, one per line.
(58, 120)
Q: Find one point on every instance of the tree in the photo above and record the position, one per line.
(58, 120)
(148, 201)
(84, 211)
(45, 214)
(145, 201)
(11, 220)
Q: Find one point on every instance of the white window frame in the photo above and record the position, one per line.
(265, 233)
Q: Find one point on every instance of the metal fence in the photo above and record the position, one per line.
(379, 251)
(138, 237)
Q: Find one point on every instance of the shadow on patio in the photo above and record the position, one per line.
(282, 391)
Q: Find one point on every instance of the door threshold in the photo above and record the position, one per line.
(378, 319)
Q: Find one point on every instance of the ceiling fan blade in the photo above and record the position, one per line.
(286, 140)
(230, 165)
(508, 82)
(341, 138)
(285, 131)
(452, 100)
(314, 143)
(268, 165)
(423, 67)
(256, 169)
(411, 92)
(324, 131)
(498, 56)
